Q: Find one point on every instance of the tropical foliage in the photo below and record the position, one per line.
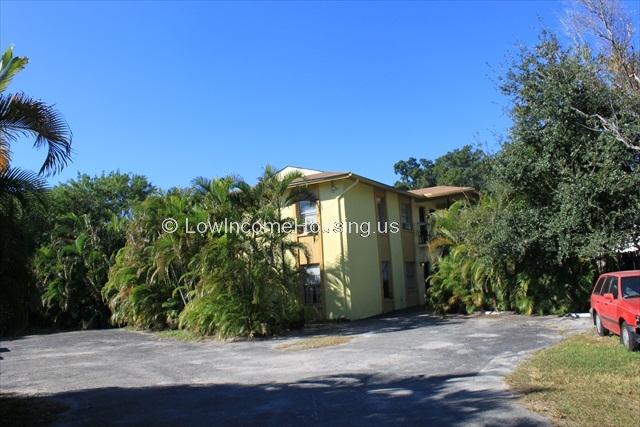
(21, 115)
(559, 202)
(480, 264)
(563, 198)
(463, 167)
(22, 192)
(87, 218)
(465, 279)
(220, 282)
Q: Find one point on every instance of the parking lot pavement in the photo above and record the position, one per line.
(405, 369)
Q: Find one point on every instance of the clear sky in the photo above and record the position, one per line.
(179, 90)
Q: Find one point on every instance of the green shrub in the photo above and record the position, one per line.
(220, 283)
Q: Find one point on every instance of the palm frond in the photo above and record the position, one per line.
(22, 185)
(10, 66)
(21, 115)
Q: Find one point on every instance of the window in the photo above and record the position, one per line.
(610, 286)
(381, 208)
(311, 284)
(410, 275)
(424, 230)
(605, 286)
(387, 292)
(631, 287)
(597, 290)
(307, 216)
(614, 287)
(405, 216)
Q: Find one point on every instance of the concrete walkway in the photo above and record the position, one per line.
(411, 369)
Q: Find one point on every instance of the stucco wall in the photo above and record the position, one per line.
(335, 273)
(362, 256)
(350, 262)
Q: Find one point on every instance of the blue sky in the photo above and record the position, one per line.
(179, 90)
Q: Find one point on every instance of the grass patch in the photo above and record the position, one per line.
(24, 410)
(312, 343)
(180, 335)
(583, 381)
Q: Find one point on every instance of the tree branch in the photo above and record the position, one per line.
(613, 129)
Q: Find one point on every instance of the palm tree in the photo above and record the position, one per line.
(275, 193)
(465, 275)
(21, 116)
(22, 191)
(24, 116)
(224, 282)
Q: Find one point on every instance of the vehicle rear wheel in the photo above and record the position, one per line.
(602, 331)
(628, 337)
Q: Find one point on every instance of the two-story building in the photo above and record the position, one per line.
(366, 243)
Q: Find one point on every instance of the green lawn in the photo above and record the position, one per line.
(583, 381)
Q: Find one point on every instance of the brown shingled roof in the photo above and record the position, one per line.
(429, 192)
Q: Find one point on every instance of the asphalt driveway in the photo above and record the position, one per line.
(410, 369)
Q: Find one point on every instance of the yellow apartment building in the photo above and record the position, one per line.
(366, 243)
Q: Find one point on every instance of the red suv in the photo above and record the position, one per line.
(615, 306)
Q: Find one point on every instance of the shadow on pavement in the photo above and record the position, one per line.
(393, 322)
(349, 399)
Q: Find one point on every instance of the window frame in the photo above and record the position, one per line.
(597, 289)
(408, 224)
(622, 286)
(423, 226)
(605, 286)
(304, 225)
(315, 285)
(381, 214)
(615, 283)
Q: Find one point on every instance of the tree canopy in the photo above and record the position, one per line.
(87, 219)
(564, 199)
(463, 167)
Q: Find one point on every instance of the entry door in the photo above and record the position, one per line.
(411, 284)
(387, 287)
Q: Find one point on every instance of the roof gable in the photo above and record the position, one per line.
(421, 193)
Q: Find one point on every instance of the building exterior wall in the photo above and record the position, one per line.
(335, 274)
(350, 260)
(363, 258)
